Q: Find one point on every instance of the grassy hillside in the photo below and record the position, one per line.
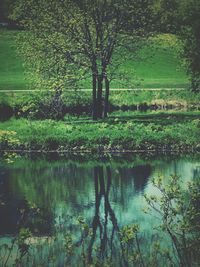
(158, 69)
(11, 69)
(161, 70)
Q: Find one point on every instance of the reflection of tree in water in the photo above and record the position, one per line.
(45, 188)
(16, 212)
(141, 175)
(102, 184)
(129, 181)
(102, 194)
(196, 173)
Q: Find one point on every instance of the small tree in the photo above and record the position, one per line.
(190, 35)
(67, 40)
(182, 17)
(168, 10)
(178, 207)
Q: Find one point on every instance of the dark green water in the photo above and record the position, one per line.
(48, 196)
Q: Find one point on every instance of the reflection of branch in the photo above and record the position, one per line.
(106, 193)
(100, 192)
(138, 247)
(111, 241)
(10, 251)
(96, 220)
(115, 225)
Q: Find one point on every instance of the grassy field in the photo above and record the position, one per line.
(11, 68)
(160, 69)
(157, 66)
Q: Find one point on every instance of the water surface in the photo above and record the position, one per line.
(48, 196)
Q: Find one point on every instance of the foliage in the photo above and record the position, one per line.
(182, 18)
(4, 9)
(169, 21)
(191, 38)
(19, 246)
(8, 139)
(178, 207)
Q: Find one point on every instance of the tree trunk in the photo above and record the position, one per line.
(107, 91)
(94, 96)
(99, 97)
(56, 105)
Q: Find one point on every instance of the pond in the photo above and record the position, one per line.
(82, 204)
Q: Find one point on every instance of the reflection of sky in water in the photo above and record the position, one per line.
(68, 191)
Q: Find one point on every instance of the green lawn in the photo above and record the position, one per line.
(163, 69)
(160, 69)
(11, 68)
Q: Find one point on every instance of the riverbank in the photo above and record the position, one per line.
(37, 105)
(109, 136)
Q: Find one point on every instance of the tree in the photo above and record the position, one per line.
(177, 205)
(67, 40)
(167, 15)
(4, 6)
(190, 35)
(183, 18)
